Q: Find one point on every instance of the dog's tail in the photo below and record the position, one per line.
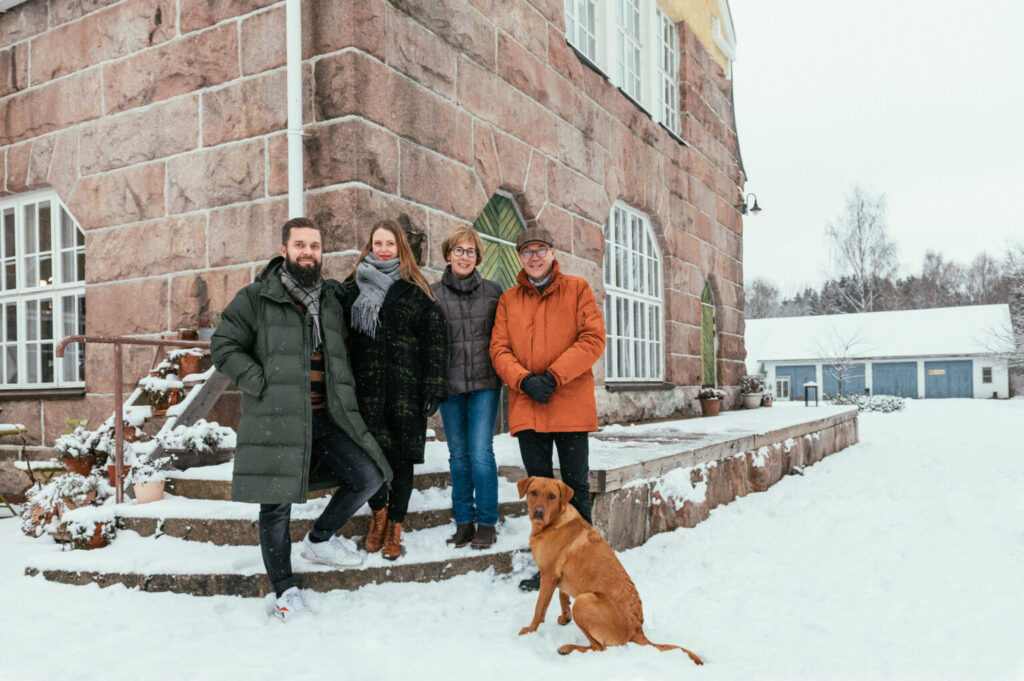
(642, 640)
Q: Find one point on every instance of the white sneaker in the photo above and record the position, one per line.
(290, 605)
(336, 551)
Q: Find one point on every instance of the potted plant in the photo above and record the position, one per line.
(752, 388)
(51, 501)
(75, 451)
(148, 476)
(203, 443)
(162, 393)
(185, 360)
(206, 324)
(710, 400)
(768, 397)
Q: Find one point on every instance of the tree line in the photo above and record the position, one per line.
(867, 278)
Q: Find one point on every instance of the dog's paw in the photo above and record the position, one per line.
(566, 649)
(564, 619)
(527, 630)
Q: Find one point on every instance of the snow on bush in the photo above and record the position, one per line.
(201, 436)
(881, 403)
(48, 504)
(752, 384)
(77, 444)
(709, 393)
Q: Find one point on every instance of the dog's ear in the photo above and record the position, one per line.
(524, 485)
(564, 495)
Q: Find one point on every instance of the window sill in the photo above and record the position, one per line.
(42, 393)
(623, 386)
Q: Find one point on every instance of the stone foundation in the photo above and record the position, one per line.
(685, 496)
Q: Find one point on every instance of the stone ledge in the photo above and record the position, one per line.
(259, 585)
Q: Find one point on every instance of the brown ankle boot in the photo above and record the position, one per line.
(463, 535)
(392, 541)
(375, 535)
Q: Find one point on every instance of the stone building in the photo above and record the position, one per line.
(143, 170)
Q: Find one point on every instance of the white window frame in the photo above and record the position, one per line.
(581, 26)
(63, 291)
(634, 307)
(666, 75)
(636, 45)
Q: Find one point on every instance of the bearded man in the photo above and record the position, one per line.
(282, 341)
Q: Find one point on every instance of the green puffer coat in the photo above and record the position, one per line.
(263, 346)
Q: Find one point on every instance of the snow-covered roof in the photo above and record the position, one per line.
(937, 332)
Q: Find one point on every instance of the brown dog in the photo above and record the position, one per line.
(573, 557)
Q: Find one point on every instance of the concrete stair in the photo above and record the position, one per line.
(196, 542)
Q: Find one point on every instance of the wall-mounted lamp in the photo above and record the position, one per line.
(746, 207)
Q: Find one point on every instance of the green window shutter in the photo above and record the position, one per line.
(707, 337)
(499, 224)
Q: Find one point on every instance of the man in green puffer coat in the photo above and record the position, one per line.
(282, 341)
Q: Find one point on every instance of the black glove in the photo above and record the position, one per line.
(539, 388)
(430, 406)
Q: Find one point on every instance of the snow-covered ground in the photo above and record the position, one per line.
(899, 558)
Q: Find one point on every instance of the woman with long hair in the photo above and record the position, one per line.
(469, 302)
(399, 350)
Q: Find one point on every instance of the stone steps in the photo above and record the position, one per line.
(199, 488)
(175, 565)
(244, 531)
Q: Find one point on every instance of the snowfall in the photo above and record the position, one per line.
(898, 558)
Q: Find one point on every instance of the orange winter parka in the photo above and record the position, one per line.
(561, 331)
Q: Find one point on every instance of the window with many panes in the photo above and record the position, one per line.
(627, 58)
(42, 293)
(633, 307)
(636, 44)
(581, 26)
(668, 72)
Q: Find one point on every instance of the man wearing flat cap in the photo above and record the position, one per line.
(548, 333)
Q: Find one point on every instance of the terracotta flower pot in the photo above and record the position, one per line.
(710, 407)
(112, 473)
(188, 364)
(147, 492)
(81, 466)
(164, 401)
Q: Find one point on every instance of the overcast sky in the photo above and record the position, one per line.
(921, 101)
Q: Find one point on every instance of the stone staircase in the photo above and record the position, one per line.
(196, 542)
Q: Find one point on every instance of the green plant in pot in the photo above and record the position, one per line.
(710, 400)
(148, 476)
(162, 393)
(75, 450)
(752, 388)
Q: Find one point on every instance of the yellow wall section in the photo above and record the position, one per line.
(697, 14)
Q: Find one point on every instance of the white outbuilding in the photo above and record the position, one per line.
(939, 352)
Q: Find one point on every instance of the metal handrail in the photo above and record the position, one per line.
(118, 342)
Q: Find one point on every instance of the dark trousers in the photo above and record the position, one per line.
(573, 462)
(397, 500)
(360, 478)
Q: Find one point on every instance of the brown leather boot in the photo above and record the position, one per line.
(375, 535)
(485, 537)
(392, 541)
(463, 535)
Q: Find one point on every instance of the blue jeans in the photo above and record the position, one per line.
(469, 428)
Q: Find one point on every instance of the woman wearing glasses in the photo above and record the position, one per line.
(469, 301)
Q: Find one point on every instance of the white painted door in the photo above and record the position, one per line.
(782, 388)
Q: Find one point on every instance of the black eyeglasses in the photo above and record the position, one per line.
(529, 253)
(459, 251)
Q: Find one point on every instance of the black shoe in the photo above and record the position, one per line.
(531, 583)
(463, 535)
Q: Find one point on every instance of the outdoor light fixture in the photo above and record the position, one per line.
(754, 210)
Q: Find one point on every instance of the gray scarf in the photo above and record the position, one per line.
(309, 298)
(374, 278)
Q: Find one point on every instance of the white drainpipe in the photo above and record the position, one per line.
(293, 28)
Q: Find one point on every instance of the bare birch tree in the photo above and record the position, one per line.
(761, 299)
(862, 250)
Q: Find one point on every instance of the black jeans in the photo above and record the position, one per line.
(360, 477)
(573, 462)
(397, 500)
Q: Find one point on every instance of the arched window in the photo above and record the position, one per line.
(42, 292)
(707, 337)
(499, 224)
(633, 306)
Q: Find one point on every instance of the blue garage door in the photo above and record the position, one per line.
(949, 379)
(853, 379)
(798, 375)
(894, 378)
